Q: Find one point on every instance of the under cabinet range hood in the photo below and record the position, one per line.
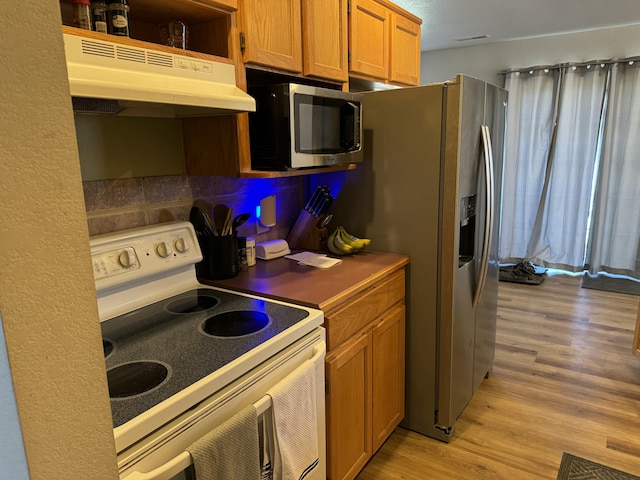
(112, 78)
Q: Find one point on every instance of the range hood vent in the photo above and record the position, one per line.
(110, 78)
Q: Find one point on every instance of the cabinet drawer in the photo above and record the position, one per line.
(348, 319)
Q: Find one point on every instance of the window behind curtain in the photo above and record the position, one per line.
(567, 153)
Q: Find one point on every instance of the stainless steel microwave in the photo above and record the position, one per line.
(300, 126)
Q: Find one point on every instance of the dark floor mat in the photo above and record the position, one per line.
(523, 272)
(611, 283)
(576, 468)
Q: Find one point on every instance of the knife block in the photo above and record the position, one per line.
(305, 233)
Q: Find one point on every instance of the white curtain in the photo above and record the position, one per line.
(571, 195)
(560, 231)
(530, 118)
(615, 236)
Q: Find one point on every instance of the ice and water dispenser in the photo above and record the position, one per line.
(467, 230)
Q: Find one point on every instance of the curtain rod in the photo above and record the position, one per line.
(536, 68)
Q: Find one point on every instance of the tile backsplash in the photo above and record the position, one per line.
(133, 202)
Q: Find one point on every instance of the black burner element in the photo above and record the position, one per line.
(192, 302)
(134, 378)
(235, 323)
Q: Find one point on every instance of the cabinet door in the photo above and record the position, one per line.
(388, 375)
(324, 39)
(348, 404)
(405, 51)
(272, 33)
(369, 39)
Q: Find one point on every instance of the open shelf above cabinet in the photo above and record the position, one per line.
(208, 24)
(143, 44)
(192, 11)
(189, 11)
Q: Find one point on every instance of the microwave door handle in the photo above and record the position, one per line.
(356, 124)
(353, 142)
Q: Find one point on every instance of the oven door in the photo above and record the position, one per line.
(163, 456)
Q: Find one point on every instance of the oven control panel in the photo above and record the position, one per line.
(133, 255)
(115, 262)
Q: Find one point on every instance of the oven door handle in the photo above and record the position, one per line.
(181, 462)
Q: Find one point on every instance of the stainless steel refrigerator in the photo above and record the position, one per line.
(430, 187)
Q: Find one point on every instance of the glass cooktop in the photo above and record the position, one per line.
(154, 352)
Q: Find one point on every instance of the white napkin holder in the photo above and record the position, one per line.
(272, 249)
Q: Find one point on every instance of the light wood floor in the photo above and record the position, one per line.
(564, 380)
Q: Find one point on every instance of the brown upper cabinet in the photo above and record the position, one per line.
(271, 34)
(404, 57)
(384, 43)
(286, 40)
(307, 37)
(325, 39)
(369, 39)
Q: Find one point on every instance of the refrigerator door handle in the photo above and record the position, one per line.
(488, 218)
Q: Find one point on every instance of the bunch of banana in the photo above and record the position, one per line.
(342, 243)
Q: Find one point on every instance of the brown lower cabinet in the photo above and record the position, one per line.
(365, 375)
(363, 300)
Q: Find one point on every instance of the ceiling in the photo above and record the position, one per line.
(446, 22)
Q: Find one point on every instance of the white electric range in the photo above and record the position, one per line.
(181, 356)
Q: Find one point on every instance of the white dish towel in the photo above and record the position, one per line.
(230, 451)
(295, 424)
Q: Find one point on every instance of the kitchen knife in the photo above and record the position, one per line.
(324, 204)
(327, 205)
(315, 208)
(313, 199)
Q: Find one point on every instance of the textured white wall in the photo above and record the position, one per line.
(47, 295)
(485, 61)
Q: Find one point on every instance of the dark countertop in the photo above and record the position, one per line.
(286, 280)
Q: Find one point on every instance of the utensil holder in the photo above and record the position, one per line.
(305, 234)
(220, 257)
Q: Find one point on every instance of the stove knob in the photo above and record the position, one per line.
(163, 250)
(124, 259)
(181, 245)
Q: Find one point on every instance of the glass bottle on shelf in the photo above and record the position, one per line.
(99, 16)
(119, 13)
(81, 14)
